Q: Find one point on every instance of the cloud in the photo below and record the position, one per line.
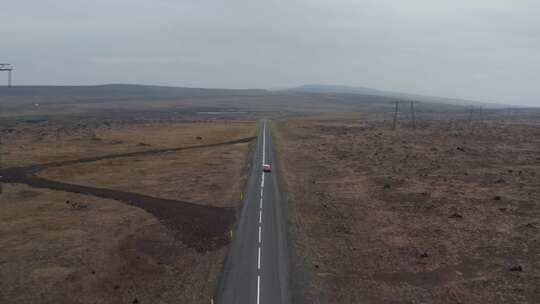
(478, 49)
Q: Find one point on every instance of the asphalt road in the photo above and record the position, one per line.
(256, 269)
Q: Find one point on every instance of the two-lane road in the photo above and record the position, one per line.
(256, 270)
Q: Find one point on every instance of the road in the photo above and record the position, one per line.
(256, 269)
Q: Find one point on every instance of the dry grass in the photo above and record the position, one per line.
(58, 247)
(442, 214)
(209, 176)
(93, 250)
(56, 140)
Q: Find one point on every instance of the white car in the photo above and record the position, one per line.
(267, 168)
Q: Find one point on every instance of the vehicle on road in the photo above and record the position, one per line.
(267, 168)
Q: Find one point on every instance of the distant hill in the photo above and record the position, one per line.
(121, 99)
(111, 91)
(339, 89)
(319, 88)
(141, 92)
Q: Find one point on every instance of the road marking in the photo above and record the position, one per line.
(258, 288)
(260, 218)
(259, 259)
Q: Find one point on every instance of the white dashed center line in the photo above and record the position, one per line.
(258, 288)
(260, 217)
(259, 263)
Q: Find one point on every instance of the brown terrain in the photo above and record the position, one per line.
(446, 213)
(118, 211)
(127, 194)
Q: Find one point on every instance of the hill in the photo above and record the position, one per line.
(110, 92)
(340, 89)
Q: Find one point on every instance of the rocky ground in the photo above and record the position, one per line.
(448, 212)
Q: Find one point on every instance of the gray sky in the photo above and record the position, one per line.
(486, 50)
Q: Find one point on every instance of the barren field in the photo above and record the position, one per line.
(147, 227)
(201, 176)
(446, 213)
(39, 141)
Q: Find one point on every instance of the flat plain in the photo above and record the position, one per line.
(73, 247)
(128, 194)
(444, 213)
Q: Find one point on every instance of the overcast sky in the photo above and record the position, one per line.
(486, 50)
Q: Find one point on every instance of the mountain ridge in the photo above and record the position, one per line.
(343, 89)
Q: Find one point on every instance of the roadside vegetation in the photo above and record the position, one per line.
(447, 212)
(64, 247)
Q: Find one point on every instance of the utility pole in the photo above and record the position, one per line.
(9, 68)
(481, 114)
(395, 116)
(412, 115)
(5, 67)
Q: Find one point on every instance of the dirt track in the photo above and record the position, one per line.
(200, 227)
